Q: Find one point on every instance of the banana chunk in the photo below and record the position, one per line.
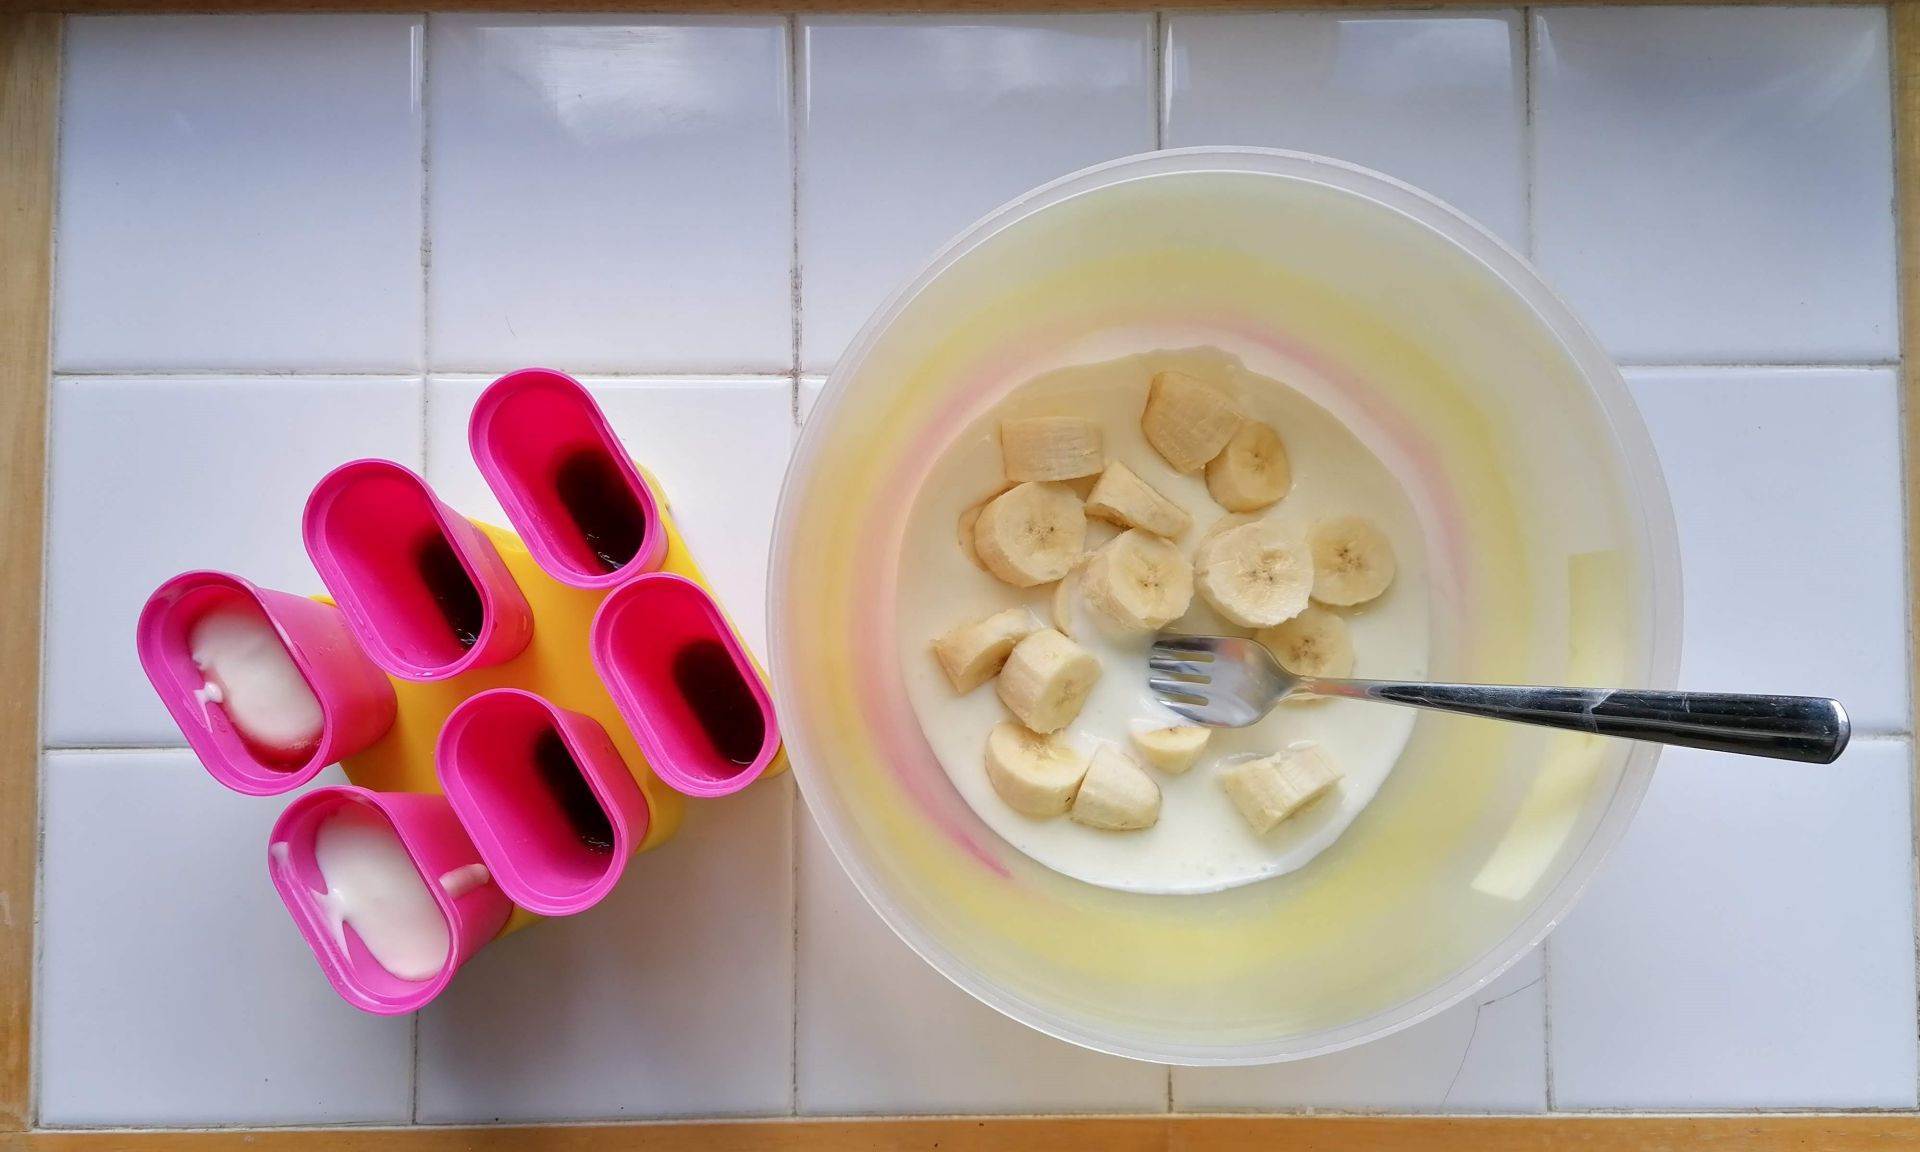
(1352, 561)
(1269, 790)
(968, 519)
(1138, 582)
(1252, 471)
(1036, 775)
(1122, 498)
(1064, 595)
(1255, 574)
(1050, 448)
(1314, 643)
(1172, 750)
(972, 654)
(1030, 534)
(1188, 422)
(1046, 680)
(1116, 794)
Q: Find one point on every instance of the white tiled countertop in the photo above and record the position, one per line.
(286, 241)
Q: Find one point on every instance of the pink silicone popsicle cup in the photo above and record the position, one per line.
(642, 633)
(439, 848)
(356, 701)
(488, 765)
(541, 441)
(373, 528)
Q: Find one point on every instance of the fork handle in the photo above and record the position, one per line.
(1804, 728)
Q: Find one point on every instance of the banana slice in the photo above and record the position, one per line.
(1188, 422)
(972, 654)
(1230, 520)
(1252, 471)
(967, 520)
(1063, 597)
(1050, 448)
(1046, 679)
(1138, 581)
(1352, 561)
(1122, 498)
(1255, 575)
(1036, 775)
(1172, 750)
(1314, 643)
(1269, 790)
(1030, 534)
(1115, 794)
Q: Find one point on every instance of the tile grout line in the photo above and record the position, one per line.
(426, 277)
(794, 831)
(1530, 161)
(426, 406)
(764, 375)
(1529, 157)
(1546, 1020)
(1876, 736)
(796, 98)
(1159, 143)
(413, 1094)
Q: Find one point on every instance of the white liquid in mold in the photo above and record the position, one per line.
(251, 675)
(464, 879)
(1201, 843)
(373, 886)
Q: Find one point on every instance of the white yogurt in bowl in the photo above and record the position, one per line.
(1200, 842)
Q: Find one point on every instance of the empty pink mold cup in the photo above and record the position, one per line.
(685, 685)
(423, 589)
(588, 516)
(449, 864)
(546, 797)
(356, 701)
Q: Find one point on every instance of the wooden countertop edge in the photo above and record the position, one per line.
(29, 92)
(29, 86)
(1183, 1133)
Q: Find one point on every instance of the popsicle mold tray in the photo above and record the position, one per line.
(520, 712)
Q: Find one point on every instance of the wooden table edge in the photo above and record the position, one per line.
(29, 97)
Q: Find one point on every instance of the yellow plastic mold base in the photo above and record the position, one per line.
(557, 665)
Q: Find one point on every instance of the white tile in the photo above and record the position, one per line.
(1716, 184)
(173, 988)
(1485, 1054)
(1786, 486)
(719, 449)
(610, 193)
(150, 478)
(881, 1032)
(1749, 945)
(1436, 100)
(239, 193)
(914, 127)
(672, 997)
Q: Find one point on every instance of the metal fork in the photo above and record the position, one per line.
(1230, 682)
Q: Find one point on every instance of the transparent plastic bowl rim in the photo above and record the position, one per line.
(1631, 444)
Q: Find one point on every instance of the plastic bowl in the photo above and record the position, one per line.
(1550, 547)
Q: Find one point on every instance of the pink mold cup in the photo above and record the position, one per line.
(423, 588)
(356, 701)
(685, 685)
(545, 796)
(588, 516)
(448, 863)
